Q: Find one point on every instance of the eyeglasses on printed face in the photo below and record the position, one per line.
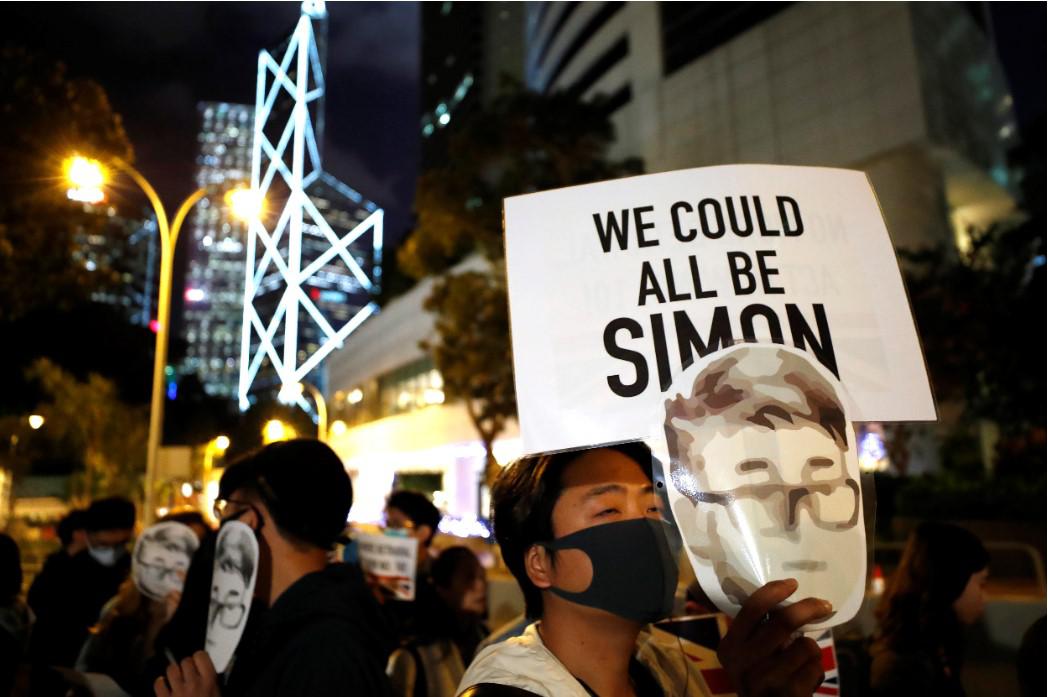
(229, 614)
(831, 505)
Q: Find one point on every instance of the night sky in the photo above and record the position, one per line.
(157, 60)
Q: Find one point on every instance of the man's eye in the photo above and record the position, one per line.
(608, 511)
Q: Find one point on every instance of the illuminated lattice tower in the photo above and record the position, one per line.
(313, 268)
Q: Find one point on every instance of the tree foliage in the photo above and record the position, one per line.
(45, 116)
(521, 143)
(980, 313)
(103, 433)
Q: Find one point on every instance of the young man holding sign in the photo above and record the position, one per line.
(587, 539)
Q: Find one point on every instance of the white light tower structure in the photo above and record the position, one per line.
(286, 160)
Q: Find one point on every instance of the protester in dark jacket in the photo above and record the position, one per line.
(323, 633)
(68, 595)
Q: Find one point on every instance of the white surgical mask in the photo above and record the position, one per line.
(106, 556)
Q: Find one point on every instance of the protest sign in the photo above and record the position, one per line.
(391, 560)
(616, 288)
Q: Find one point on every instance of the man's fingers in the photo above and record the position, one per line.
(763, 601)
(191, 676)
(810, 675)
(783, 668)
(205, 667)
(160, 688)
(174, 676)
(783, 624)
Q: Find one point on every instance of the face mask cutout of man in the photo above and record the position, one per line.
(232, 587)
(161, 558)
(765, 479)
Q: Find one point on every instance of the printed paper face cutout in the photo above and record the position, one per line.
(161, 558)
(764, 478)
(232, 587)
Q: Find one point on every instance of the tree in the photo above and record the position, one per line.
(104, 433)
(980, 313)
(45, 116)
(521, 143)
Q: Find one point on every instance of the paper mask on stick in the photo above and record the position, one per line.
(764, 478)
(232, 587)
(161, 558)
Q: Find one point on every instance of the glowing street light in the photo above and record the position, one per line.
(35, 421)
(187, 490)
(276, 430)
(86, 177)
(245, 204)
(215, 446)
(337, 428)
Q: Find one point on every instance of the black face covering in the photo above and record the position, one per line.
(634, 567)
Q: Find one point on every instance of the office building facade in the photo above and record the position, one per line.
(214, 282)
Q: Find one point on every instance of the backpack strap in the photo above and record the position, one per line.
(489, 689)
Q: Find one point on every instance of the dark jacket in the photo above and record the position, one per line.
(325, 635)
(913, 672)
(67, 597)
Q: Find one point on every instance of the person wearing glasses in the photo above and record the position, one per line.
(321, 632)
(767, 481)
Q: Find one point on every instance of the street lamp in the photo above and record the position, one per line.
(86, 178)
(291, 392)
(35, 421)
(214, 447)
(275, 430)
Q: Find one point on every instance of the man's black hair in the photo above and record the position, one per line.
(113, 513)
(416, 506)
(73, 521)
(522, 502)
(302, 484)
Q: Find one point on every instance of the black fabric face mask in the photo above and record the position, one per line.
(634, 567)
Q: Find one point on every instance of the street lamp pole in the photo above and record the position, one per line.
(168, 240)
(322, 433)
(90, 176)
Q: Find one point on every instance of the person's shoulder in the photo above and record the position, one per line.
(522, 662)
(890, 669)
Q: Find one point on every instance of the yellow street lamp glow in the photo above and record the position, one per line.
(356, 396)
(35, 421)
(221, 443)
(338, 428)
(86, 177)
(276, 430)
(187, 490)
(246, 204)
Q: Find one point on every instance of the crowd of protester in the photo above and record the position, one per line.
(318, 625)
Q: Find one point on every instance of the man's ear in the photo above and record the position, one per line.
(538, 565)
(424, 533)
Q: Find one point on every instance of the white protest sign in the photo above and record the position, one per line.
(232, 588)
(161, 558)
(762, 477)
(391, 560)
(615, 288)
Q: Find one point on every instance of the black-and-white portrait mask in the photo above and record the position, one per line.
(232, 587)
(161, 558)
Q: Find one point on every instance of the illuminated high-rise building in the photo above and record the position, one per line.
(214, 281)
(123, 251)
